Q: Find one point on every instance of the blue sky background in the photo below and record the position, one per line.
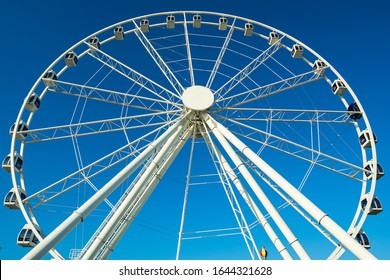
(353, 37)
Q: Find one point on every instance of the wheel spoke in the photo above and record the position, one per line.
(256, 189)
(78, 216)
(321, 218)
(108, 117)
(111, 96)
(271, 89)
(220, 56)
(190, 68)
(293, 204)
(302, 152)
(132, 75)
(226, 176)
(158, 60)
(101, 126)
(284, 115)
(132, 201)
(247, 70)
(46, 194)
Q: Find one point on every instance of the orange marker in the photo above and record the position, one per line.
(263, 253)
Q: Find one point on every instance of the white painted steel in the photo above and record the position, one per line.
(134, 194)
(78, 216)
(251, 204)
(167, 104)
(188, 46)
(155, 178)
(220, 56)
(234, 204)
(198, 98)
(322, 218)
(159, 61)
(183, 212)
(292, 239)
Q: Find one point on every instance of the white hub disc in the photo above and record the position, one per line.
(198, 98)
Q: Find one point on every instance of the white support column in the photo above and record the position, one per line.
(78, 216)
(257, 190)
(131, 198)
(236, 208)
(252, 205)
(322, 218)
(156, 178)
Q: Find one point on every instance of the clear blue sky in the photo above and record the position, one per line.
(351, 36)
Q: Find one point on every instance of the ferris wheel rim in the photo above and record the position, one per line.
(367, 124)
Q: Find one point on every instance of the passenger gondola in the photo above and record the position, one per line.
(297, 51)
(273, 38)
(248, 31)
(119, 33)
(364, 139)
(375, 208)
(197, 21)
(33, 103)
(50, 78)
(145, 25)
(223, 23)
(170, 22)
(338, 87)
(27, 238)
(94, 42)
(18, 162)
(71, 59)
(10, 199)
(21, 130)
(355, 111)
(369, 167)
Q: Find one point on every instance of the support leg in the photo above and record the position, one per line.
(295, 244)
(322, 218)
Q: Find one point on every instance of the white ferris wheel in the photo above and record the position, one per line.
(260, 140)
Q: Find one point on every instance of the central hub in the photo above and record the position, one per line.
(198, 98)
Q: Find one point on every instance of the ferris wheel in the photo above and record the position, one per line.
(217, 126)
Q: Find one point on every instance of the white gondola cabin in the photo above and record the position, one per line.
(354, 110)
(223, 22)
(71, 59)
(170, 22)
(338, 87)
(10, 200)
(50, 78)
(94, 43)
(362, 239)
(248, 31)
(297, 51)
(319, 67)
(369, 167)
(273, 37)
(144, 25)
(197, 21)
(364, 139)
(22, 127)
(119, 33)
(18, 161)
(26, 237)
(33, 103)
(375, 208)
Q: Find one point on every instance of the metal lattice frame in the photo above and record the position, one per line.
(244, 73)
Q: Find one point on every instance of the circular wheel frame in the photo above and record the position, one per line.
(261, 119)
